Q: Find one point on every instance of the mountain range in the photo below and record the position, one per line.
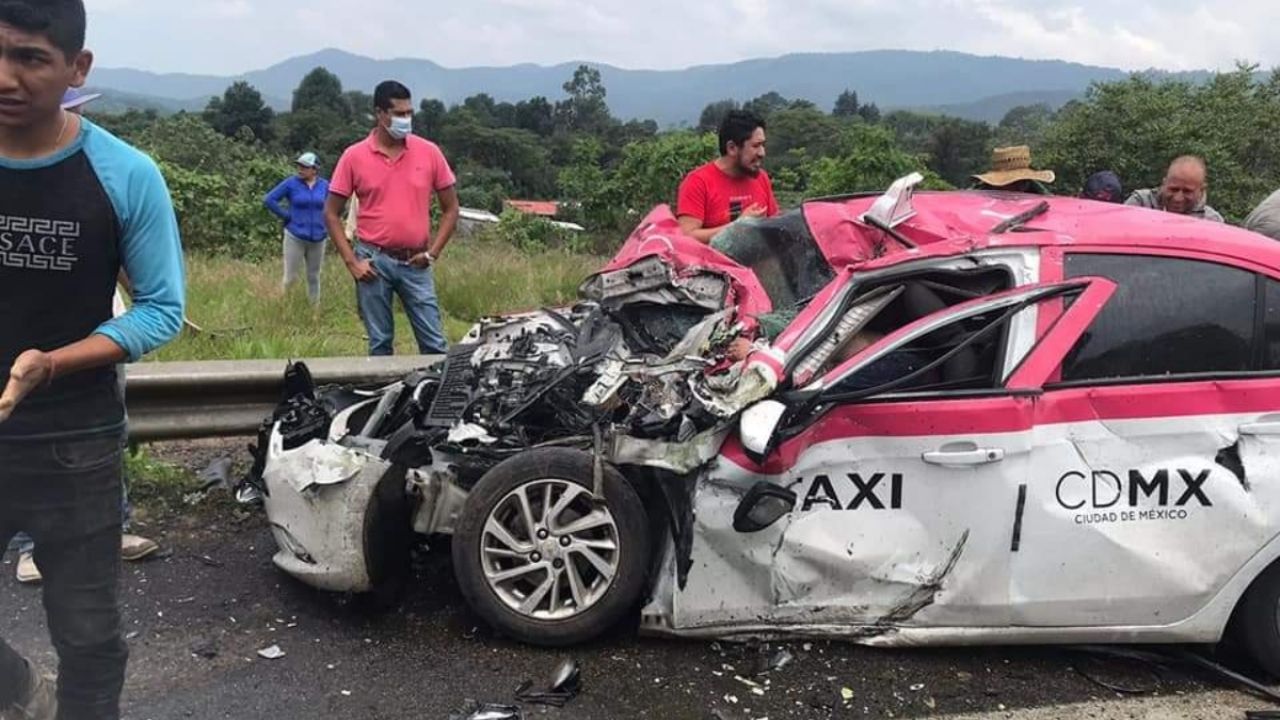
(969, 86)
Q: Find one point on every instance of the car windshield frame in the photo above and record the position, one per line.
(784, 255)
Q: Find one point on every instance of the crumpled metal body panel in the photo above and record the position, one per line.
(317, 498)
(838, 560)
(1134, 522)
(1133, 529)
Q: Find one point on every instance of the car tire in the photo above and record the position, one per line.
(576, 600)
(388, 540)
(1258, 628)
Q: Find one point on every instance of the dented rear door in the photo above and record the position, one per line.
(1157, 454)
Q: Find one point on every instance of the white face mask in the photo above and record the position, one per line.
(400, 127)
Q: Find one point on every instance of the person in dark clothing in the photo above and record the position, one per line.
(1103, 186)
(76, 206)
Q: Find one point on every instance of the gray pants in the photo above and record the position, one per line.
(299, 254)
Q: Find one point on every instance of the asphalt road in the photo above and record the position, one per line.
(197, 618)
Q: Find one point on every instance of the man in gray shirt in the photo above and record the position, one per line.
(1265, 218)
(1182, 192)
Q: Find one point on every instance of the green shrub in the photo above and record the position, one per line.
(217, 185)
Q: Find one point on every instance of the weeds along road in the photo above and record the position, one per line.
(197, 618)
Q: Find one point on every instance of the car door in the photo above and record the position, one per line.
(1156, 462)
(905, 494)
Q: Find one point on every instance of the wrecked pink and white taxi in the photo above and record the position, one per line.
(906, 419)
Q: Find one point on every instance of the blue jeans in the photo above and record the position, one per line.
(66, 494)
(417, 290)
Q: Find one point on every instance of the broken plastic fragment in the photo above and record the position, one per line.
(776, 661)
(271, 653)
(563, 686)
(470, 432)
(472, 710)
(894, 207)
(217, 474)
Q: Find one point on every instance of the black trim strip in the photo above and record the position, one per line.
(1260, 324)
(1269, 374)
(1017, 518)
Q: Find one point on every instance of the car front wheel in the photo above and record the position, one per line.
(541, 559)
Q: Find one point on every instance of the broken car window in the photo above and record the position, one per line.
(1169, 316)
(782, 253)
(961, 355)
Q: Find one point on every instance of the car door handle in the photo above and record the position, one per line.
(1261, 428)
(970, 455)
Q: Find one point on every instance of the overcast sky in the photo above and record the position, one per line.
(231, 36)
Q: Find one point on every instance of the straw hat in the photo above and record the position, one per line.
(1011, 164)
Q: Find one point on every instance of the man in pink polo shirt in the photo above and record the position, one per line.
(393, 174)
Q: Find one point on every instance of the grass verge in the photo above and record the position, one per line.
(245, 314)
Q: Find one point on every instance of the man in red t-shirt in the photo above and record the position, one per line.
(733, 185)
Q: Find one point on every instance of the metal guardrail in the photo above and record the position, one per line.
(226, 398)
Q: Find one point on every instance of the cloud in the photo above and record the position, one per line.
(223, 9)
(229, 36)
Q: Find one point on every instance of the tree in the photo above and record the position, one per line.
(650, 172)
(321, 91)
(619, 135)
(240, 106)
(647, 173)
(958, 149)
(806, 127)
(361, 104)
(584, 184)
(537, 115)
(516, 152)
(714, 113)
(846, 105)
(216, 185)
(504, 115)
(430, 118)
(766, 104)
(866, 158)
(483, 107)
(586, 109)
(870, 113)
(1024, 125)
(1135, 127)
(317, 131)
(912, 129)
(128, 125)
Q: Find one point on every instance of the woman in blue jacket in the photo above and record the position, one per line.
(304, 231)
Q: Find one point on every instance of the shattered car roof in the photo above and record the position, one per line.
(945, 223)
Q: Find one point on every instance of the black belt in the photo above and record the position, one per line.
(401, 254)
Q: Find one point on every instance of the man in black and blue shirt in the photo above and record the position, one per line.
(76, 205)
